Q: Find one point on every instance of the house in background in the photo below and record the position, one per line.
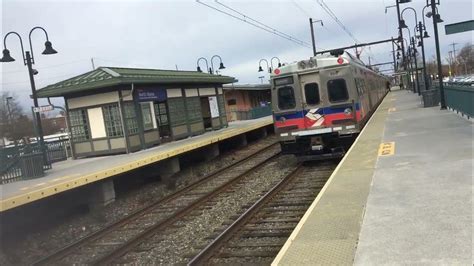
(247, 101)
(117, 110)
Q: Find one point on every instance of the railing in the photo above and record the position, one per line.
(460, 98)
(253, 113)
(26, 161)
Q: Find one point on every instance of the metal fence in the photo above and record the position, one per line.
(460, 98)
(253, 113)
(27, 161)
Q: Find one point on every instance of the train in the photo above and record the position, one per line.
(320, 105)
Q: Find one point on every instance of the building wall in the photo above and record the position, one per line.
(91, 100)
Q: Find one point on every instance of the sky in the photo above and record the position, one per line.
(174, 34)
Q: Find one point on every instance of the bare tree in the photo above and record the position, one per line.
(14, 124)
(465, 59)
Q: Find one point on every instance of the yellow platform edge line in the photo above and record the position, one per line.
(303, 219)
(24, 198)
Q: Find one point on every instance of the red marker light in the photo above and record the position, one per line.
(277, 71)
(340, 60)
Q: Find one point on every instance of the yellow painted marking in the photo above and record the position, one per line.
(24, 188)
(393, 109)
(387, 149)
(39, 184)
(46, 191)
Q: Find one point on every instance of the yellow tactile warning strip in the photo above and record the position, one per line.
(328, 232)
(33, 193)
(387, 148)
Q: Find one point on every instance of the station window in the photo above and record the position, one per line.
(286, 98)
(79, 127)
(337, 90)
(311, 93)
(112, 121)
(130, 117)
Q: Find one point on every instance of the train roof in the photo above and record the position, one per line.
(319, 62)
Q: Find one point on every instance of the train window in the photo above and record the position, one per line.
(311, 93)
(286, 98)
(337, 90)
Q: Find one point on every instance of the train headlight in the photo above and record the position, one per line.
(348, 111)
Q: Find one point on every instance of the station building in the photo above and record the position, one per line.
(119, 110)
(247, 101)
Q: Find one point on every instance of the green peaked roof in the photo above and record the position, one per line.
(110, 76)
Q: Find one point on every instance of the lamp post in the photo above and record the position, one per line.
(437, 19)
(416, 64)
(400, 33)
(312, 33)
(403, 25)
(211, 69)
(420, 28)
(407, 63)
(28, 60)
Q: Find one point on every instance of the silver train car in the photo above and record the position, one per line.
(321, 104)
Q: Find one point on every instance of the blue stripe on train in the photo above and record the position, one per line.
(325, 110)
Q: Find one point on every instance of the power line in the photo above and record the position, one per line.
(336, 19)
(257, 24)
(300, 8)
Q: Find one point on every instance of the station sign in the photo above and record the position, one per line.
(42, 109)
(151, 94)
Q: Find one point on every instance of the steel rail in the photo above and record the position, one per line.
(68, 249)
(210, 249)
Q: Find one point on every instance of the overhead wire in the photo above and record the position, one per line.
(257, 24)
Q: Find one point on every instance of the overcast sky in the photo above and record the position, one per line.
(169, 34)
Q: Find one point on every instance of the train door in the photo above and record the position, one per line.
(311, 98)
(161, 114)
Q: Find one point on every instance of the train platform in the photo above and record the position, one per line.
(71, 174)
(402, 194)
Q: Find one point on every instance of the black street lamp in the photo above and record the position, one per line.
(28, 60)
(210, 69)
(421, 44)
(260, 69)
(221, 65)
(400, 33)
(437, 19)
(311, 22)
(270, 66)
(207, 64)
(412, 40)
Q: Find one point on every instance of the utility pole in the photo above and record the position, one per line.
(453, 59)
(454, 49)
(92, 61)
(312, 36)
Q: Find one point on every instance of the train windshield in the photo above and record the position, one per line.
(286, 98)
(337, 90)
(311, 93)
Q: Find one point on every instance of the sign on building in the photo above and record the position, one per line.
(151, 94)
(42, 109)
(214, 106)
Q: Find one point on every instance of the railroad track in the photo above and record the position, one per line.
(259, 233)
(114, 241)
